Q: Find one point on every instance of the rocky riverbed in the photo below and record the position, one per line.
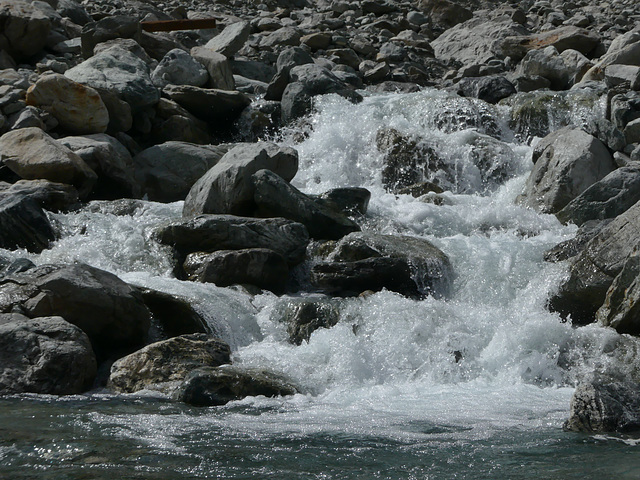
(96, 112)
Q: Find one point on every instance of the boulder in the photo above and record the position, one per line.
(624, 50)
(24, 28)
(617, 74)
(231, 39)
(348, 200)
(444, 14)
(166, 172)
(32, 154)
(44, 355)
(546, 63)
(227, 187)
(218, 386)
(491, 89)
(604, 405)
(621, 308)
(594, 269)
(79, 109)
(73, 11)
(285, 36)
(23, 223)
(567, 162)
(572, 247)
(108, 28)
(209, 233)
(290, 57)
(121, 72)
(218, 67)
(167, 361)
(111, 161)
(607, 133)
(275, 197)
(260, 267)
(173, 315)
(179, 68)
(221, 107)
(51, 196)
(607, 198)
(365, 261)
(562, 38)
(305, 316)
(108, 310)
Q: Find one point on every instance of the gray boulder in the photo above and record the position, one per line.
(24, 28)
(562, 38)
(348, 200)
(108, 310)
(275, 197)
(209, 233)
(227, 187)
(166, 172)
(231, 39)
(111, 161)
(108, 28)
(305, 316)
(605, 405)
(167, 361)
(572, 247)
(179, 68)
(219, 386)
(51, 196)
(32, 154)
(546, 63)
(491, 89)
(221, 107)
(218, 67)
(607, 133)
(173, 315)
(607, 198)
(365, 261)
(121, 72)
(44, 355)
(567, 162)
(261, 267)
(23, 223)
(594, 269)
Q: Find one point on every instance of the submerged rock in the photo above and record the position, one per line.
(167, 361)
(218, 386)
(305, 316)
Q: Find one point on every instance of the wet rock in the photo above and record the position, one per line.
(227, 187)
(168, 171)
(121, 72)
(173, 314)
(607, 198)
(108, 310)
(621, 306)
(51, 196)
(78, 108)
(179, 68)
(261, 267)
(108, 28)
(364, 261)
(32, 154)
(217, 65)
(44, 355)
(231, 39)
(24, 28)
(305, 316)
(349, 200)
(604, 405)
(218, 106)
(218, 386)
(111, 161)
(491, 89)
(23, 223)
(208, 233)
(594, 269)
(167, 361)
(567, 162)
(275, 197)
(572, 247)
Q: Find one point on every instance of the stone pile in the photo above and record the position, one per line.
(92, 107)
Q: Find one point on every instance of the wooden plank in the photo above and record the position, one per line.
(172, 25)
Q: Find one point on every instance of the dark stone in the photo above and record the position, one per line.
(349, 200)
(175, 315)
(491, 89)
(572, 247)
(23, 224)
(305, 316)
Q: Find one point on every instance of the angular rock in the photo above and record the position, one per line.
(23, 223)
(209, 233)
(491, 89)
(231, 39)
(217, 65)
(563, 38)
(78, 108)
(572, 247)
(111, 161)
(108, 310)
(617, 74)
(546, 63)
(607, 133)
(305, 316)
(167, 361)
(277, 198)
(172, 314)
(282, 37)
(261, 267)
(51, 196)
(227, 187)
(32, 154)
(108, 28)
(349, 200)
(44, 355)
(218, 106)
(121, 72)
(567, 162)
(364, 261)
(167, 171)
(607, 198)
(179, 68)
(603, 405)
(219, 386)
(444, 14)
(23, 28)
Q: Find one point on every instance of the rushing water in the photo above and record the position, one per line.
(475, 386)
